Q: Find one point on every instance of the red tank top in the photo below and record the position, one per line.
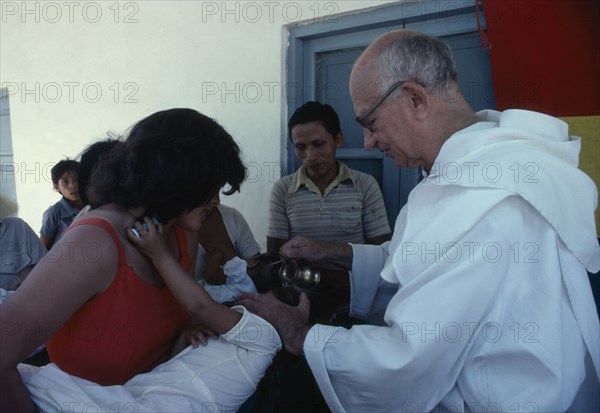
(126, 330)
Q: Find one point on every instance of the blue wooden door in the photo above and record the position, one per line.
(327, 61)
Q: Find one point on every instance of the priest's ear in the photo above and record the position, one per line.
(418, 99)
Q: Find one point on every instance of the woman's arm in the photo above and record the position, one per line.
(192, 296)
(67, 277)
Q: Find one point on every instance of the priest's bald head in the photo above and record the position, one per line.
(406, 97)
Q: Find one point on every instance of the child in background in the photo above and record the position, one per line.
(59, 216)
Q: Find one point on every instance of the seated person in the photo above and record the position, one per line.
(59, 216)
(114, 306)
(225, 231)
(20, 248)
(324, 199)
(20, 251)
(223, 373)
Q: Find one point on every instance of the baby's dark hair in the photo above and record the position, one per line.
(171, 162)
(89, 160)
(264, 274)
(61, 167)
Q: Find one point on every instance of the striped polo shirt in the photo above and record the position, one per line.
(350, 210)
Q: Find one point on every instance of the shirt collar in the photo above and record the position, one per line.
(67, 209)
(300, 178)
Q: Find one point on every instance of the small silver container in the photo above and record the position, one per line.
(299, 273)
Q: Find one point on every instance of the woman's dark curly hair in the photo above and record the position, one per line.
(172, 161)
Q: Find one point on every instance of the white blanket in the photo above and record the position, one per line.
(217, 377)
(237, 281)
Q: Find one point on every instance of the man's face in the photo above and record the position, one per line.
(68, 187)
(388, 126)
(316, 147)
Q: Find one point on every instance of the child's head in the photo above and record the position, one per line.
(90, 157)
(64, 179)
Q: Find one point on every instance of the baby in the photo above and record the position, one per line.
(226, 275)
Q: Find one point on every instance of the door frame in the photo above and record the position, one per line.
(358, 29)
(439, 18)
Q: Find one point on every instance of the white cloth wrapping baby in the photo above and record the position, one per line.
(237, 281)
(217, 377)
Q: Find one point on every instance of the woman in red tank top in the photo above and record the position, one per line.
(109, 303)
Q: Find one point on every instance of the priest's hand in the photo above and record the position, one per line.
(290, 322)
(326, 254)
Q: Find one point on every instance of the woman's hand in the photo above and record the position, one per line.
(151, 240)
(191, 295)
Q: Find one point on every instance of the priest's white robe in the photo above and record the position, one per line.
(487, 301)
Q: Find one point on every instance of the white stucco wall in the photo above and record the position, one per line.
(76, 70)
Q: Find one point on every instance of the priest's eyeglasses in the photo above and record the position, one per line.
(363, 120)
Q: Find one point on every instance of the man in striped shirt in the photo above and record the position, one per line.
(324, 199)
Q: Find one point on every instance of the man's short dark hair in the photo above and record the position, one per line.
(61, 167)
(315, 111)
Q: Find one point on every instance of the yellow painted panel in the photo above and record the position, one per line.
(588, 127)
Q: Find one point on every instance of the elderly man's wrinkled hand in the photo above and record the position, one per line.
(325, 254)
(290, 322)
(302, 248)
